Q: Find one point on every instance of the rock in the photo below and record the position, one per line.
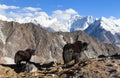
(59, 69)
(30, 67)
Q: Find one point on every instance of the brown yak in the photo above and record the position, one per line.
(73, 51)
(23, 56)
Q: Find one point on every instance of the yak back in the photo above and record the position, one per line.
(76, 47)
(26, 55)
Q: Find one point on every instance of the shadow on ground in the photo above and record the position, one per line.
(22, 68)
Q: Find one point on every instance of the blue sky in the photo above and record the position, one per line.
(95, 8)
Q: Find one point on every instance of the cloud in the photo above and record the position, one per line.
(71, 11)
(26, 14)
(4, 9)
(14, 15)
(31, 9)
(64, 15)
(17, 12)
(41, 14)
(3, 6)
(3, 17)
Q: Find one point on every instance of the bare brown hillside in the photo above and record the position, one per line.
(48, 45)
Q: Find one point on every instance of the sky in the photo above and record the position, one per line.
(58, 8)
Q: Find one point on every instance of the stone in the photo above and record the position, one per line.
(30, 67)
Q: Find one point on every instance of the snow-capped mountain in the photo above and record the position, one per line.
(110, 24)
(76, 22)
(105, 30)
(52, 24)
(80, 23)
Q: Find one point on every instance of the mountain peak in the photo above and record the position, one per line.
(102, 19)
(105, 30)
(110, 24)
(81, 23)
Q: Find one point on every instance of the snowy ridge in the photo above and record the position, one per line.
(81, 23)
(110, 24)
(75, 22)
(105, 30)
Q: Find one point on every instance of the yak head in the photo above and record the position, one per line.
(84, 46)
(31, 51)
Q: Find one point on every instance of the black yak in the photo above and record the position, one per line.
(23, 56)
(73, 51)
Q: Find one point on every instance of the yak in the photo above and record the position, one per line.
(73, 51)
(23, 56)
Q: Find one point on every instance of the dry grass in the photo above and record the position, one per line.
(93, 68)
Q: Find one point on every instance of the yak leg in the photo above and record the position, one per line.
(77, 58)
(19, 64)
(67, 57)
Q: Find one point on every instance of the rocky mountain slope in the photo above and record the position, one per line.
(48, 45)
(105, 30)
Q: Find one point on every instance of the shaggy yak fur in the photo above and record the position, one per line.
(73, 51)
(23, 56)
